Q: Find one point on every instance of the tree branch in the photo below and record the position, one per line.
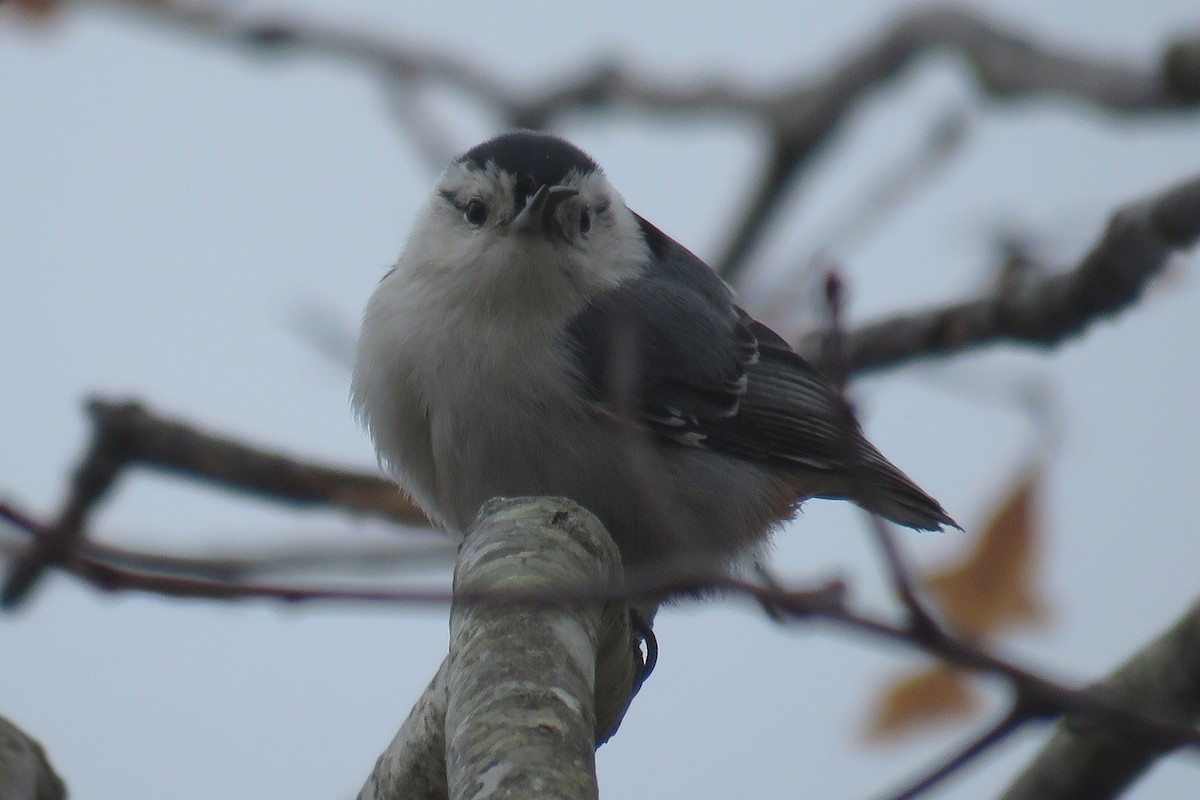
(977, 746)
(799, 118)
(127, 434)
(1035, 697)
(527, 690)
(249, 562)
(72, 557)
(413, 767)
(1036, 309)
(1089, 760)
(25, 772)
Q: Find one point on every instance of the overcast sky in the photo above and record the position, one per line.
(167, 206)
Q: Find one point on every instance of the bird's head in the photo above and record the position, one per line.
(530, 217)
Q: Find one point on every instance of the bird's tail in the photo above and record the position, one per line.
(881, 488)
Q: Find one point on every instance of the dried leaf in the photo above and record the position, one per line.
(932, 696)
(995, 586)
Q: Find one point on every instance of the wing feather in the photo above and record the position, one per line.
(673, 349)
(705, 373)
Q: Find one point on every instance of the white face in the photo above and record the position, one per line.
(469, 235)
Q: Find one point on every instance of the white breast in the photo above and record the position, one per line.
(460, 403)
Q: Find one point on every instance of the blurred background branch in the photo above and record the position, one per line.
(797, 119)
(797, 116)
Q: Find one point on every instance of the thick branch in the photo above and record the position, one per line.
(413, 767)
(25, 772)
(528, 689)
(1040, 310)
(1089, 760)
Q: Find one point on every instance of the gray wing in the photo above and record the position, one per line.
(674, 352)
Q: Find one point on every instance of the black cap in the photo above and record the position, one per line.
(534, 158)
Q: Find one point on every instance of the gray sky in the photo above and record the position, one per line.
(167, 205)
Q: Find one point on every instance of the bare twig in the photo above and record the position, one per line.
(786, 296)
(899, 181)
(127, 434)
(922, 625)
(1029, 692)
(1037, 697)
(249, 562)
(976, 747)
(432, 141)
(1005, 64)
(834, 359)
(923, 621)
(1044, 311)
(112, 578)
(134, 435)
(650, 585)
(799, 118)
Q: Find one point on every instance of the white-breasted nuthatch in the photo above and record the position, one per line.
(537, 337)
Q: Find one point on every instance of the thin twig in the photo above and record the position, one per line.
(1005, 64)
(785, 297)
(834, 360)
(987, 739)
(1038, 696)
(111, 578)
(923, 621)
(922, 626)
(248, 562)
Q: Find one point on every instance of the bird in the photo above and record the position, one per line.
(538, 337)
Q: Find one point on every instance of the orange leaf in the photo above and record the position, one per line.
(931, 696)
(995, 586)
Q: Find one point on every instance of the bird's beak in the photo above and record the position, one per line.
(538, 213)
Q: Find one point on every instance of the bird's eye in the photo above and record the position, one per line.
(475, 212)
(585, 221)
